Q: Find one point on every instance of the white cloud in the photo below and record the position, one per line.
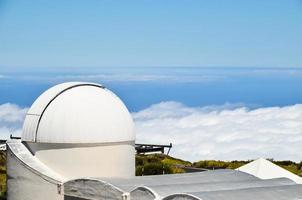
(225, 132)
(11, 120)
(125, 78)
(228, 132)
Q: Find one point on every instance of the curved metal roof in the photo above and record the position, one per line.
(78, 112)
(208, 185)
(19, 151)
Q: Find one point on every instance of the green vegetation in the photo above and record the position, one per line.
(162, 164)
(2, 175)
(153, 164)
(218, 164)
(291, 166)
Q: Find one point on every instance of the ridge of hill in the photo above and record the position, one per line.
(152, 164)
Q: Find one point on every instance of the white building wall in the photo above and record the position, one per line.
(73, 161)
(24, 184)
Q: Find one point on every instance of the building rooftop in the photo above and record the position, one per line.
(209, 185)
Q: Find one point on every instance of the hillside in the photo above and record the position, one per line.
(153, 164)
(158, 164)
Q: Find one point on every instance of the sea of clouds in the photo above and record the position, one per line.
(227, 132)
(223, 132)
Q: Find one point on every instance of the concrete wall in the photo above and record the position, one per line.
(24, 184)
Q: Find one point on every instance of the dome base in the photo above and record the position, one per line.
(77, 160)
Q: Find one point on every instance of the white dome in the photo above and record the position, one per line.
(78, 112)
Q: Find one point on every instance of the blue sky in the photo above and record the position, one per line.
(150, 33)
(219, 79)
(148, 51)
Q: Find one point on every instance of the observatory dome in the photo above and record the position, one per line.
(78, 112)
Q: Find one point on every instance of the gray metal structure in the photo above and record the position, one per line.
(152, 148)
(29, 179)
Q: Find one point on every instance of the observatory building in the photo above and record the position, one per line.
(78, 144)
(81, 129)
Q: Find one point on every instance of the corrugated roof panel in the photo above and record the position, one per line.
(34, 113)
(30, 127)
(286, 192)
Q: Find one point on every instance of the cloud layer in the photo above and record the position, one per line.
(225, 132)
(11, 120)
(122, 78)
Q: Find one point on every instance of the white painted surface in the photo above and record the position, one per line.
(41, 102)
(35, 111)
(116, 160)
(28, 178)
(81, 114)
(265, 169)
(24, 156)
(81, 129)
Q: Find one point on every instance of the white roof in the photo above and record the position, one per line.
(265, 169)
(2, 147)
(209, 185)
(78, 112)
(21, 153)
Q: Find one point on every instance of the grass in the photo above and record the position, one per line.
(2, 175)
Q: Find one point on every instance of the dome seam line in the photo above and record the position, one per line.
(58, 94)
